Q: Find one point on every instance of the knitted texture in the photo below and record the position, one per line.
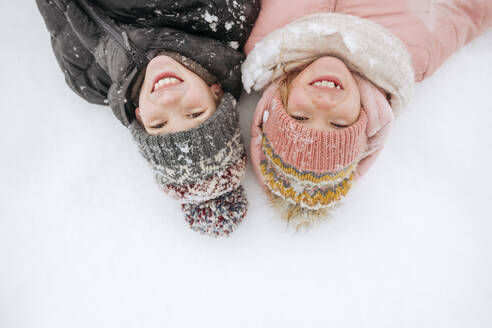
(219, 216)
(307, 149)
(303, 166)
(214, 186)
(203, 168)
(311, 168)
(364, 46)
(185, 157)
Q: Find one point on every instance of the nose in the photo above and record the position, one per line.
(324, 102)
(163, 105)
(168, 98)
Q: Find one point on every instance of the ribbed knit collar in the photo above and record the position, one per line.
(308, 149)
(203, 141)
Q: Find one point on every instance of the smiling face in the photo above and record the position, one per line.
(324, 95)
(173, 98)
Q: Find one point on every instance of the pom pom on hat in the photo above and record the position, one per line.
(219, 216)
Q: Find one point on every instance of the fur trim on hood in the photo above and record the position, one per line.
(364, 46)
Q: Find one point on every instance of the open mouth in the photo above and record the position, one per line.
(327, 82)
(166, 80)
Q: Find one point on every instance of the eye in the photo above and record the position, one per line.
(299, 118)
(339, 126)
(195, 115)
(158, 126)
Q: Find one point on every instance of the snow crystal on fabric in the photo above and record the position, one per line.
(212, 20)
(350, 40)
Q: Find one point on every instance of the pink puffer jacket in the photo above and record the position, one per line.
(431, 30)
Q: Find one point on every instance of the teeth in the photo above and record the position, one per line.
(329, 84)
(165, 81)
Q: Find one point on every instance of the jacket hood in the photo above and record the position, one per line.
(224, 64)
(103, 45)
(364, 46)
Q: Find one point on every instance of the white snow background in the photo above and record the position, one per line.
(87, 239)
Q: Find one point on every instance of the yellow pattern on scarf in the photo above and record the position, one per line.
(305, 176)
(305, 198)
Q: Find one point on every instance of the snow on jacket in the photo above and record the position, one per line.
(431, 30)
(101, 67)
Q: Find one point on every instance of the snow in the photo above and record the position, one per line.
(233, 44)
(228, 25)
(322, 30)
(185, 148)
(373, 61)
(211, 19)
(87, 239)
(265, 116)
(350, 41)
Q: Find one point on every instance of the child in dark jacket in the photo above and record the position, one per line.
(170, 71)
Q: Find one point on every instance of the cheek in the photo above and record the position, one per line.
(147, 83)
(149, 112)
(353, 109)
(143, 110)
(203, 100)
(199, 95)
(297, 98)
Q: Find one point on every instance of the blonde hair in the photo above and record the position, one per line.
(297, 216)
(285, 81)
(289, 75)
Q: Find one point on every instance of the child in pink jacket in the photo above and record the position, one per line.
(335, 73)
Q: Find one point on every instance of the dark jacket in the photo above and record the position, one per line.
(101, 45)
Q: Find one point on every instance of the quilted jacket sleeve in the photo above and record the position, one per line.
(73, 39)
(229, 21)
